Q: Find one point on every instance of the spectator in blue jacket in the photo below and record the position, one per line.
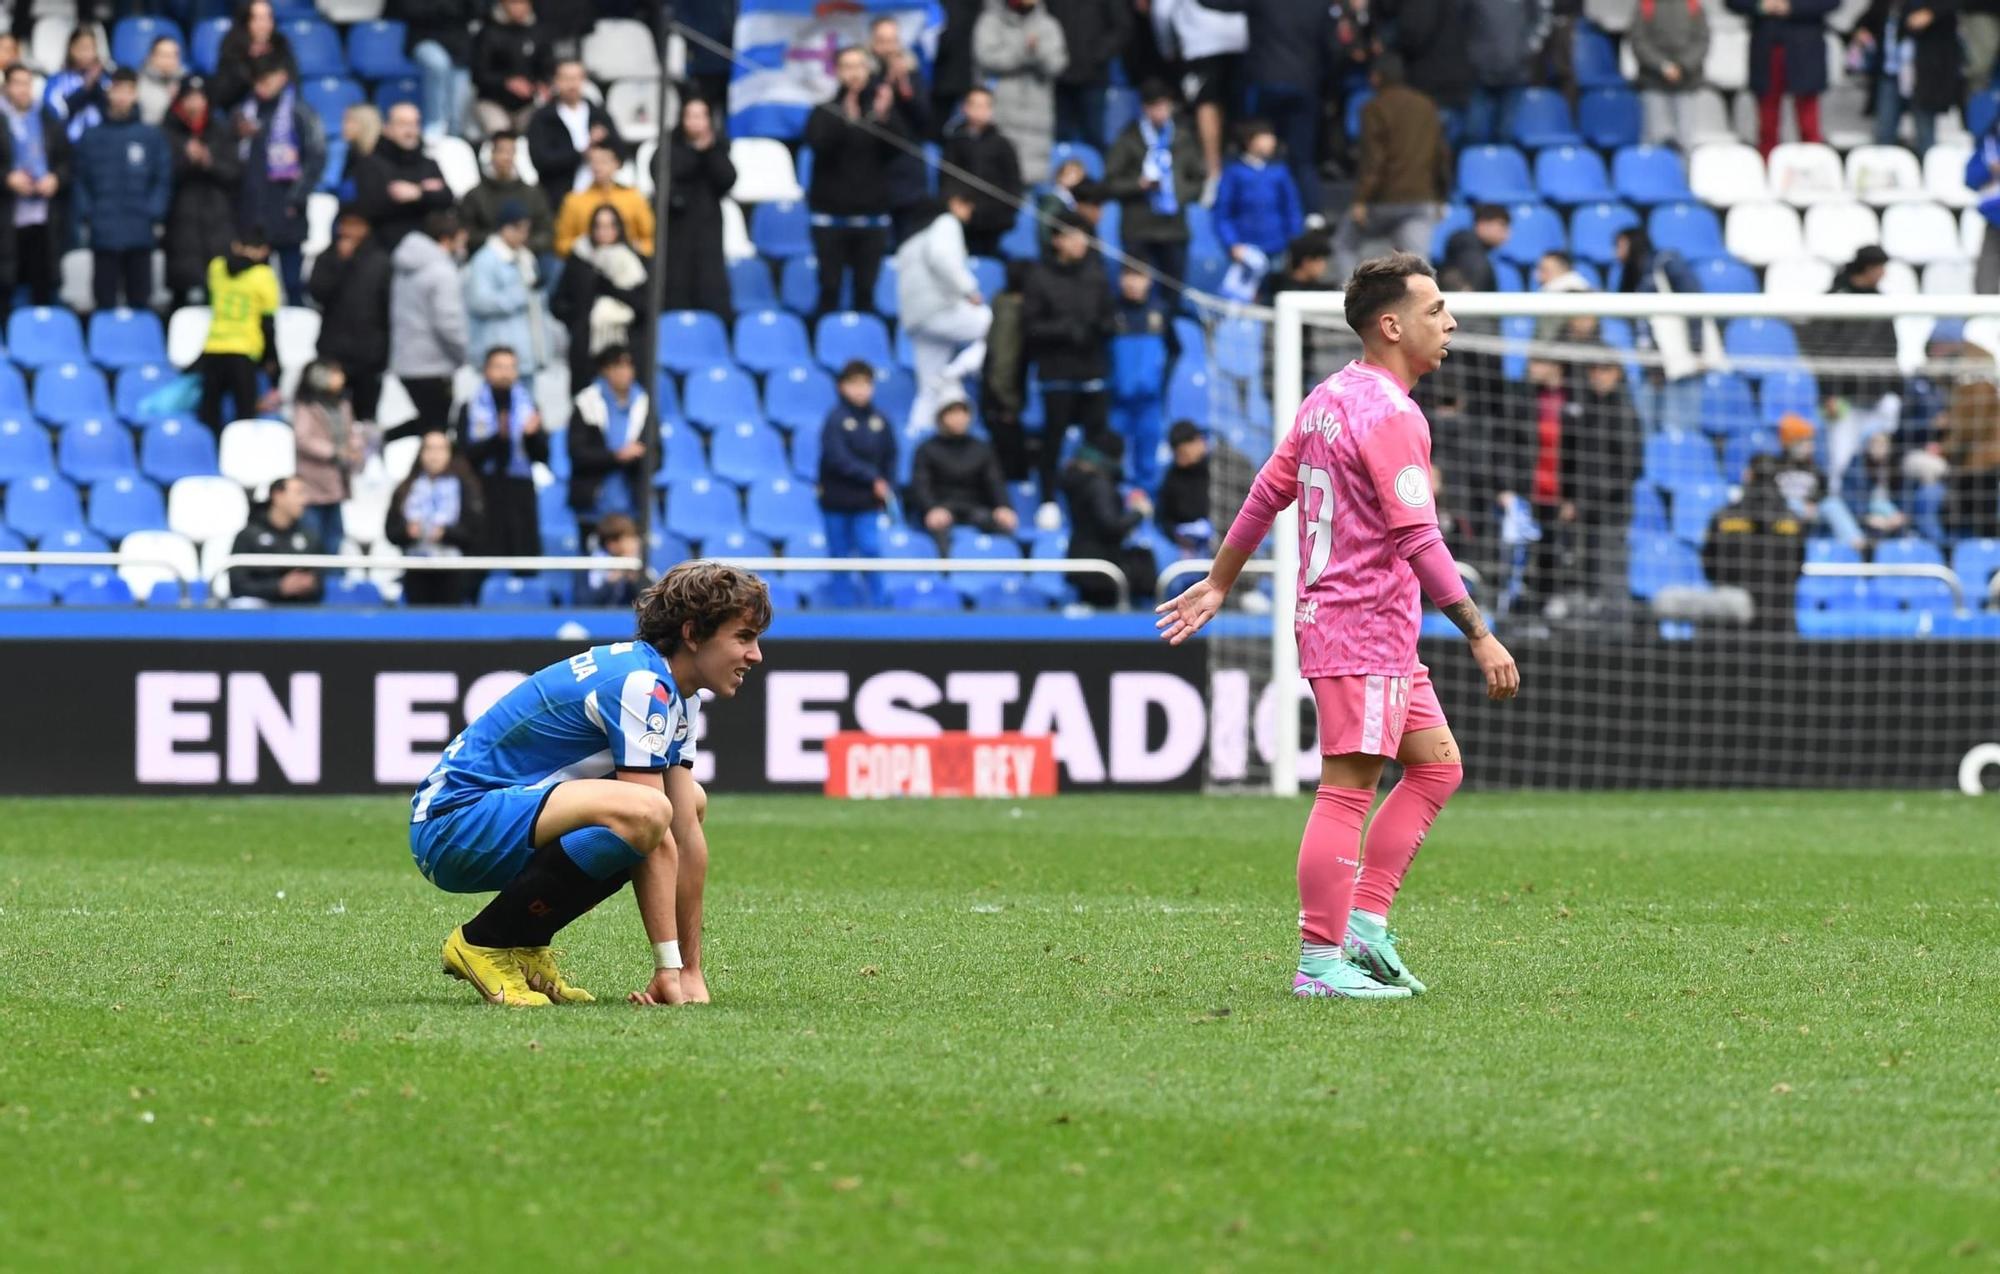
(502, 293)
(857, 463)
(1141, 352)
(1257, 204)
(75, 95)
(124, 183)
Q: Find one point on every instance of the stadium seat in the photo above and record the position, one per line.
(805, 453)
(1759, 341)
(783, 509)
(1691, 505)
(330, 96)
(1825, 548)
(1494, 174)
(69, 392)
(747, 451)
(798, 284)
(666, 400)
(691, 340)
(885, 298)
(621, 48)
(767, 340)
(664, 550)
(25, 450)
(1536, 230)
(850, 335)
(1834, 592)
(1594, 58)
(1647, 175)
(799, 397)
(1022, 242)
(252, 453)
(1944, 174)
(149, 558)
(1727, 406)
(132, 38)
(316, 48)
(342, 591)
(1610, 118)
(721, 395)
(99, 588)
(1724, 174)
(75, 539)
(1688, 228)
(1949, 278)
(126, 505)
(1594, 231)
(1739, 449)
(921, 593)
(1456, 217)
(40, 335)
(334, 174)
(1792, 391)
(765, 172)
(681, 456)
(1675, 458)
(1798, 276)
(1541, 118)
(136, 384)
(1763, 232)
(902, 540)
(1972, 232)
(739, 543)
(20, 589)
(1806, 173)
(1649, 510)
(43, 505)
(205, 43)
(1727, 66)
(1189, 395)
(1883, 175)
(701, 507)
(1571, 175)
(1661, 561)
(781, 229)
(457, 163)
(126, 338)
(1920, 234)
(392, 93)
(1981, 109)
(1726, 274)
(518, 592)
(375, 52)
(1239, 348)
(95, 450)
(14, 398)
(1976, 562)
(750, 286)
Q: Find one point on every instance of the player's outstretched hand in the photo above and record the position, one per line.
(1503, 679)
(665, 988)
(1183, 617)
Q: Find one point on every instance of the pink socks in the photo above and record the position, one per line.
(1397, 833)
(1328, 855)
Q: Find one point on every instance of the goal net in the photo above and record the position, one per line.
(1733, 540)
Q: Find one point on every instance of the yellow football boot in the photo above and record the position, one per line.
(495, 972)
(539, 964)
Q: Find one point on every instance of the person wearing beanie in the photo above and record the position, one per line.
(503, 295)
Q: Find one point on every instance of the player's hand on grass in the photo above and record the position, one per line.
(665, 988)
(1503, 679)
(1183, 617)
(694, 986)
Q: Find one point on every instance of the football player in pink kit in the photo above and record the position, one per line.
(1358, 462)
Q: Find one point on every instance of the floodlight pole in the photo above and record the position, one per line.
(656, 278)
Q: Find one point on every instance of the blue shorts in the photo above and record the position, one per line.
(478, 848)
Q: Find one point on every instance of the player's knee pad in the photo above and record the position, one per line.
(599, 852)
(1437, 780)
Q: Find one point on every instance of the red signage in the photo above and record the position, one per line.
(866, 767)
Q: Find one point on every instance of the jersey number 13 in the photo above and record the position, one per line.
(1318, 516)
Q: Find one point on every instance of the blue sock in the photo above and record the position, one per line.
(600, 852)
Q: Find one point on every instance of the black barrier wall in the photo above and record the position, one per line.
(124, 717)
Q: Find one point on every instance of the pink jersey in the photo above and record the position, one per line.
(1358, 462)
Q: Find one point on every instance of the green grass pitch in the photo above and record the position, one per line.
(1673, 1032)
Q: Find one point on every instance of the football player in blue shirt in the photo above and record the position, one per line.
(580, 779)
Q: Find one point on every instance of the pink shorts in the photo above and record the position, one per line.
(1371, 714)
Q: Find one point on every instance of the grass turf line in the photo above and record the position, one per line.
(1745, 1030)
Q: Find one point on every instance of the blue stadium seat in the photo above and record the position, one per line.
(120, 506)
(1536, 230)
(1679, 459)
(315, 47)
(1202, 238)
(1726, 274)
(43, 505)
(1008, 592)
(1088, 155)
(1908, 593)
(1908, 550)
(691, 340)
(748, 451)
(681, 455)
(1649, 509)
(14, 399)
(839, 338)
(18, 588)
(783, 509)
(701, 507)
(1121, 108)
(1976, 561)
(922, 593)
(1610, 118)
(895, 393)
(25, 450)
(1661, 561)
(135, 384)
(389, 93)
(902, 540)
(799, 397)
(1189, 395)
(1980, 112)
(721, 395)
(1763, 340)
(1456, 217)
(126, 338)
(172, 449)
(781, 228)
(1782, 393)
(206, 44)
(517, 592)
(134, 37)
(1743, 446)
(1691, 505)
(552, 510)
(1825, 548)
(40, 335)
(664, 550)
(798, 284)
(1571, 175)
(750, 286)
(1594, 60)
(11, 543)
(1834, 593)
(991, 273)
(329, 96)
(1542, 118)
(95, 450)
(885, 299)
(342, 591)
(99, 588)
(1593, 231)
(667, 398)
(336, 165)
(805, 453)
(743, 543)
(375, 51)
(1494, 174)
(1690, 229)
(69, 392)
(767, 340)
(1023, 241)
(1647, 175)
(75, 539)
(1239, 348)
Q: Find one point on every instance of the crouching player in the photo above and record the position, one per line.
(581, 779)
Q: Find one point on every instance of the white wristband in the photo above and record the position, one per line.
(667, 955)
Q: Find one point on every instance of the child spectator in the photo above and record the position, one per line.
(1257, 205)
(617, 536)
(857, 464)
(242, 335)
(1142, 352)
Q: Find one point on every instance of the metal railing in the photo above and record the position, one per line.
(109, 560)
(945, 565)
(416, 562)
(1870, 570)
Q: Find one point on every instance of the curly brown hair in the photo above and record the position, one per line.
(708, 593)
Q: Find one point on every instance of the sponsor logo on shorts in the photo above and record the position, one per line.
(1413, 486)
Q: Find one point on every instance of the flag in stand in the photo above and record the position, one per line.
(785, 51)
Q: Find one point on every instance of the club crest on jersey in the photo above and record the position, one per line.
(1413, 486)
(656, 723)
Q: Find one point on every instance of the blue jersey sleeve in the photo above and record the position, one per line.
(643, 720)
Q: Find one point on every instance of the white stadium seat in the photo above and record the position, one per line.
(154, 556)
(455, 158)
(322, 210)
(1944, 174)
(1614, 16)
(1948, 278)
(1984, 333)
(1727, 66)
(212, 553)
(78, 265)
(633, 105)
(253, 453)
(298, 335)
(1761, 233)
(207, 508)
(49, 45)
(1798, 276)
(1806, 173)
(399, 456)
(1971, 233)
(1920, 233)
(1725, 174)
(388, 577)
(618, 49)
(343, 12)
(1899, 278)
(1712, 122)
(1882, 175)
(187, 332)
(765, 172)
(736, 245)
(1836, 231)
(395, 407)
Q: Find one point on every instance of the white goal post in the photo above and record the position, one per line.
(1294, 372)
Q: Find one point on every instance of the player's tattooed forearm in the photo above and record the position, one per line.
(1465, 614)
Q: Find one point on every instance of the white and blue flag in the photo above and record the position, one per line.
(785, 51)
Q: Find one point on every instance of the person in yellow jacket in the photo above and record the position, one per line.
(242, 336)
(633, 208)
